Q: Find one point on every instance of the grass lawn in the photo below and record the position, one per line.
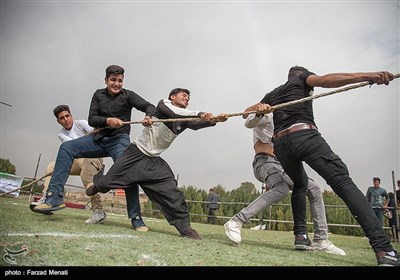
(64, 240)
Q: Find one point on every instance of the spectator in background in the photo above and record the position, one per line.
(378, 198)
(212, 206)
(398, 193)
(393, 220)
(392, 205)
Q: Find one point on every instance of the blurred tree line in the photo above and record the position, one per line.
(231, 202)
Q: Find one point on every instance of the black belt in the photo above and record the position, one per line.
(293, 129)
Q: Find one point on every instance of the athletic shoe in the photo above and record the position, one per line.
(98, 217)
(52, 202)
(33, 204)
(327, 246)
(191, 233)
(138, 224)
(386, 259)
(232, 230)
(302, 243)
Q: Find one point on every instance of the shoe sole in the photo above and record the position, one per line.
(333, 252)
(141, 229)
(328, 251)
(302, 247)
(99, 222)
(32, 207)
(191, 237)
(43, 211)
(229, 236)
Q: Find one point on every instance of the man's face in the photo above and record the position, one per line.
(376, 183)
(114, 83)
(65, 120)
(181, 99)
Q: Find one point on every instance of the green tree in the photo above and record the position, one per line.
(36, 188)
(6, 166)
(195, 206)
(219, 189)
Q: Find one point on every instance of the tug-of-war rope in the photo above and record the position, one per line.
(272, 107)
(232, 115)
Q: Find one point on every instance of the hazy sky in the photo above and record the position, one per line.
(228, 54)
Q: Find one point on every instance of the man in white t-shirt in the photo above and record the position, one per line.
(86, 168)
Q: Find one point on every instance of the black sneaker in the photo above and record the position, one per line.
(302, 243)
(385, 259)
(138, 224)
(92, 190)
(191, 233)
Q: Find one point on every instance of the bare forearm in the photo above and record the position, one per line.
(341, 79)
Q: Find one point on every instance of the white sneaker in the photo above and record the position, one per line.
(98, 217)
(232, 230)
(327, 246)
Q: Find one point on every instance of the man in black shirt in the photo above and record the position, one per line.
(296, 140)
(109, 108)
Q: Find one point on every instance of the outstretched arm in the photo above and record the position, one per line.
(341, 79)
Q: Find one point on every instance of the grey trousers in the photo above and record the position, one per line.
(268, 170)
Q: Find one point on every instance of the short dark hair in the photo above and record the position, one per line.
(295, 71)
(60, 108)
(376, 179)
(115, 70)
(175, 91)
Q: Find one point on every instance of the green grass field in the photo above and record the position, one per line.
(63, 239)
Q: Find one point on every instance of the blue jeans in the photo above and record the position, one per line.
(309, 146)
(87, 147)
